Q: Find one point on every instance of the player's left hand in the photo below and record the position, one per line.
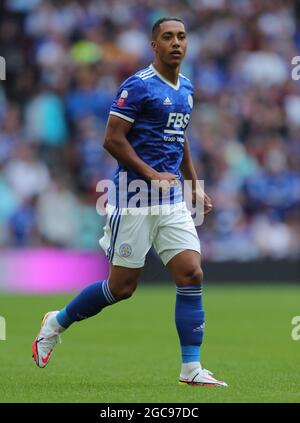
(208, 206)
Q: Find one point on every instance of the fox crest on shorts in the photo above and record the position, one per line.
(125, 250)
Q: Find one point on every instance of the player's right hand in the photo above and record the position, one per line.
(164, 180)
(164, 176)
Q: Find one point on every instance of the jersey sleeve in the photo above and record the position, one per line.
(130, 99)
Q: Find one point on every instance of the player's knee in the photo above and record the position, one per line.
(192, 276)
(125, 290)
(125, 293)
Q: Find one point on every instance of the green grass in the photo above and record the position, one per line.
(130, 352)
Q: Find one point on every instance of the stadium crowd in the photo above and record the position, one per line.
(64, 62)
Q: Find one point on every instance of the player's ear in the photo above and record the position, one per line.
(153, 45)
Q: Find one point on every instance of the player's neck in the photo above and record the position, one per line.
(171, 74)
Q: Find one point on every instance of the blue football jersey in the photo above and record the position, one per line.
(160, 113)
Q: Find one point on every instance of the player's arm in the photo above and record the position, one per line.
(117, 144)
(189, 173)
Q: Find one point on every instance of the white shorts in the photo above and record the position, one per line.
(130, 233)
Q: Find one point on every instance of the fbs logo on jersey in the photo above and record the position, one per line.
(122, 100)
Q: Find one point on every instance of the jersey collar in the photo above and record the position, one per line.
(175, 87)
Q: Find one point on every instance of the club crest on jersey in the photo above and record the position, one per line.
(190, 100)
(122, 100)
(125, 250)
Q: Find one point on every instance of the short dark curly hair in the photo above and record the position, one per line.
(156, 25)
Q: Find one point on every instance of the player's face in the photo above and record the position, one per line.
(170, 43)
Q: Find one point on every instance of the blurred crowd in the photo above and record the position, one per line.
(64, 62)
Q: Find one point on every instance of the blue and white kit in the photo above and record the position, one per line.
(159, 112)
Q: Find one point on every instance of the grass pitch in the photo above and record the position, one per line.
(130, 352)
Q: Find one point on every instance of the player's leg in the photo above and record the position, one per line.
(123, 281)
(185, 268)
(125, 242)
(189, 315)
(183, 261)
(120, 285)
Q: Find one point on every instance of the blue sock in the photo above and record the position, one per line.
(87, 303)
(189, 318)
